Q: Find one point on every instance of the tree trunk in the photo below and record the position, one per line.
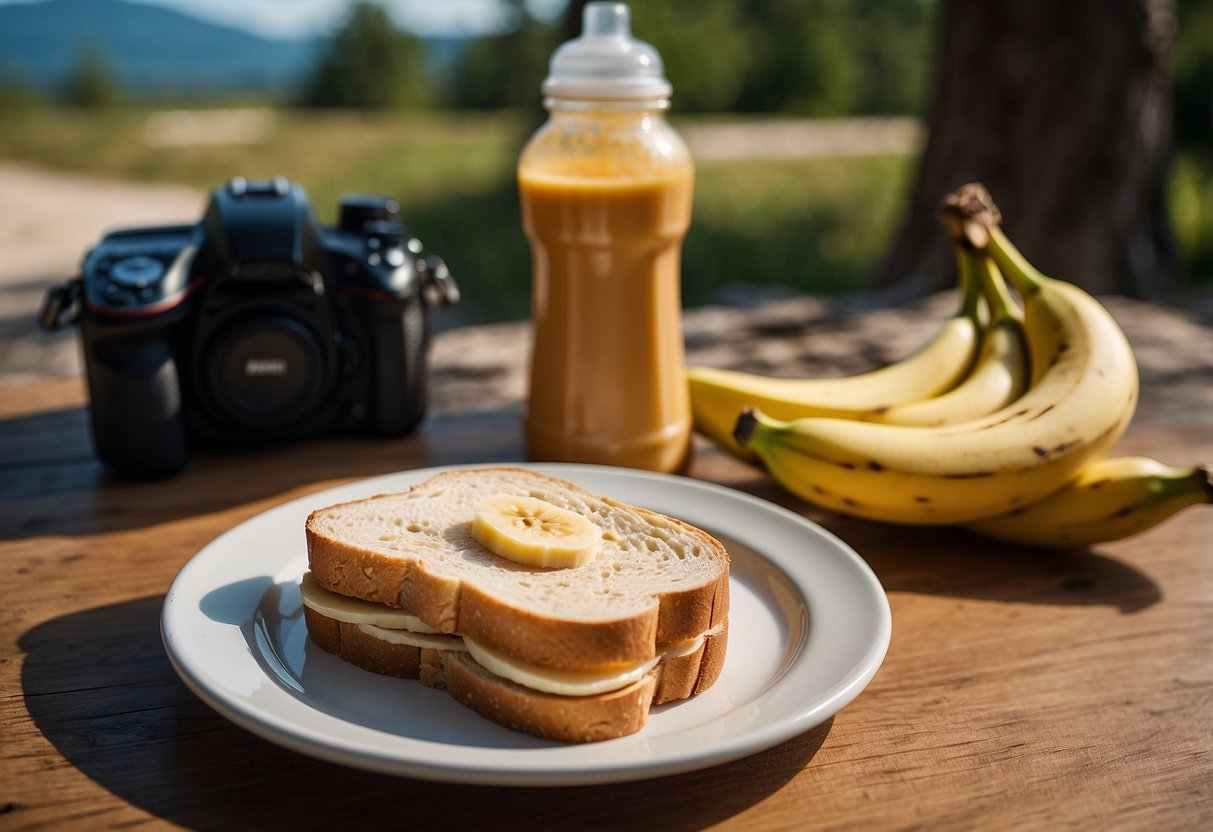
(1062, 108)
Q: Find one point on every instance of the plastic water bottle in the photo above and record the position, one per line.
(606, 189)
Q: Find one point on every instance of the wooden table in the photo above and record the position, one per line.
(1021, 689)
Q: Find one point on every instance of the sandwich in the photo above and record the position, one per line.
(541, 606)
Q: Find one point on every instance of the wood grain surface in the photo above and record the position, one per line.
(1021, 689)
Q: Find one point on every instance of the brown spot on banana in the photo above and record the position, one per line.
(1041, 413)
(1002, 421)
(1056, 449)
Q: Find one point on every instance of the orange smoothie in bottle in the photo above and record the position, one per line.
(606, 189)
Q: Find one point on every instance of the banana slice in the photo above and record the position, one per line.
(534, 532)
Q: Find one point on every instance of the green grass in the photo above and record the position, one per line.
(817, 225)
(1190, 198)
(813, 225)
(426, 156)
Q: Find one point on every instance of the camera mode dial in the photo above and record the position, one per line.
(138, 272)
(127, 279)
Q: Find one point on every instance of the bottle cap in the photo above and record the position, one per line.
(606, 62)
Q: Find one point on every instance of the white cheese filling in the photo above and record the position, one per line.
(439, 642)
(551, 680)
(398, 627)
(356, 611)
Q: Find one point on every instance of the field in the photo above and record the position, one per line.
(815, 225)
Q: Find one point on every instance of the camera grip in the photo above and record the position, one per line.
(137, 417)
(399, 386)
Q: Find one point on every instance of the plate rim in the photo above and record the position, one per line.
(304, 739)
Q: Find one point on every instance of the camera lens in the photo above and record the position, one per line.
(266, 371)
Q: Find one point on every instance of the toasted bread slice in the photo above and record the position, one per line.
(656, 580)
(656, 586)
(552, 716)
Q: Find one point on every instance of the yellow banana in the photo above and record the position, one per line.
(1111, 499)
(1083, 395)
(1000, 374)
(718, 396)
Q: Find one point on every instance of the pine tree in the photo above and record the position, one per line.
(369, 64)
(91, 85)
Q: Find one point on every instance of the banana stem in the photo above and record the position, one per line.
(1202, 477)
(1194, 484)
(1015, 267)
(743, 431)
(998, 297)
(970, 286)
(974, 220)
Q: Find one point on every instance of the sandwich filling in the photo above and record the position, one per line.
(399, 627)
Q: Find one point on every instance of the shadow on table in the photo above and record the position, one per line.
(55, 485)
(100, 688)
(955, 562)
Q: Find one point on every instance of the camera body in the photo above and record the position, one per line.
(256, 324)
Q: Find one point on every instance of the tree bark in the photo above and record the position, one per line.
(1062, 108)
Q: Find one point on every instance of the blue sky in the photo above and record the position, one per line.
(301, 18)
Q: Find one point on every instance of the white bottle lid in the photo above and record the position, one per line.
(606, 62)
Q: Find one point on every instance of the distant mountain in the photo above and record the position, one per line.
(148, 48)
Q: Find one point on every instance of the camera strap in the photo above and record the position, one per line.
(62, 305)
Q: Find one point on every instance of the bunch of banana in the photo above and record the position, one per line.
(718, 396)
(999, 375)
(1082, 393)
(1111, 499)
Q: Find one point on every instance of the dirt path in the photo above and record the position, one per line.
(48, 220)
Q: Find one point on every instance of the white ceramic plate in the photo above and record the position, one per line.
(809, 626)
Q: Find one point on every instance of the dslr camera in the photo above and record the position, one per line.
(258, 323)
